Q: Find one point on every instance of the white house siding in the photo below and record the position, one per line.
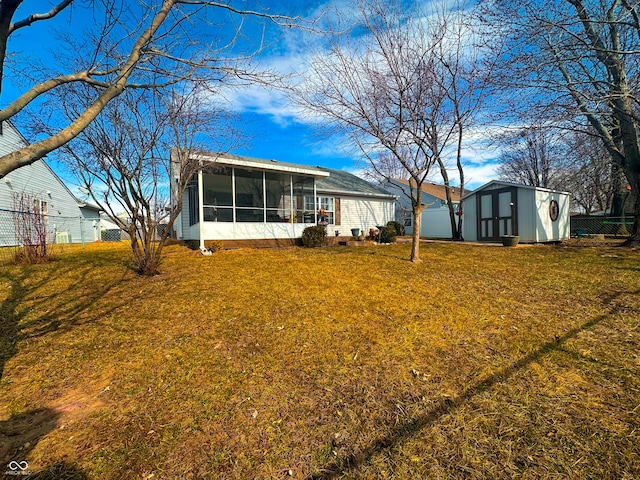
(363, 213)
(37, 179)
(250, 231)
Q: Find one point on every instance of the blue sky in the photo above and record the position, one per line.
(275, 130)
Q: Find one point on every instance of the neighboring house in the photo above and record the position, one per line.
(435, 220)
(249, 201)
(67, 219)
(499, 208)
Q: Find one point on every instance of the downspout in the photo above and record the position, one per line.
(200, 210)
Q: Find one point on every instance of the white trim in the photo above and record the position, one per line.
(510, 184)
(200, 210)
(262, 165)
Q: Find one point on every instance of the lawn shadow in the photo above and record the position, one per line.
(18, 437)
(406, 430)
(59, 309)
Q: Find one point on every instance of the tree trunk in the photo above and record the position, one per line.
(416, 211)
(634, 181)
(447, 188)
(415, 245)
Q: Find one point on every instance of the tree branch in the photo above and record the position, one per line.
(35, 17)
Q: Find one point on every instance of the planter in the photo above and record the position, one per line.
(355, 232)
(510, 240)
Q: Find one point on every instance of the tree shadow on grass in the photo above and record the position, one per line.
(19, 435)
(58, 309)
(406, 430)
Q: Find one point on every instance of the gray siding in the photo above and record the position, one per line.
(37, 179)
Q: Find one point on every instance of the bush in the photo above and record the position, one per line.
(388, 234)
(398, 227)
(315, 236)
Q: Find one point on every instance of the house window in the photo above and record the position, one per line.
(328, 203)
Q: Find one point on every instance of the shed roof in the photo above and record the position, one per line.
(510, 184)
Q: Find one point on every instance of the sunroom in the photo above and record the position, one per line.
(239, 198)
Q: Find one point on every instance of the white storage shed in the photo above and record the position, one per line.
(535, 214)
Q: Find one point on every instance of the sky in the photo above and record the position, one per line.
(274, 128)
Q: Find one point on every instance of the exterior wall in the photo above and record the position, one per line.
(362, 213)
(249, 231)
(90, 225)
(64, 215)
(435, 223)
(548, 230)
(534, 223)
(470, 219)
(355, 212)
(527, 215)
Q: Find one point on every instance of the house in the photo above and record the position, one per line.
(435, 218)
(66, 218)
(254, 202)
(499, 208)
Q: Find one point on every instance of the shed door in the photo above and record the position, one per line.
(497, 214)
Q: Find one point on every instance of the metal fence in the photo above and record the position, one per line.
(24, 230)
(584, 225)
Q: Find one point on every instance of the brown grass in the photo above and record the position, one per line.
(324, 363)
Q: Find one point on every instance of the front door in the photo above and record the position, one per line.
(497, 214)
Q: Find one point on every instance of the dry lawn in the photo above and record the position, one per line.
(479, 363)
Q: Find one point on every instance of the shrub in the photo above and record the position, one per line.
(398, 227)
(388, 234)
(315, 236)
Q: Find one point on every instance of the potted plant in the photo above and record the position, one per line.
(510, 240)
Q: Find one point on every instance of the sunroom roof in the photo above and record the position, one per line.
(261, 164)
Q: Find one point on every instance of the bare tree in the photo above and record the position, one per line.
(464, 75)
(380, 87)
(387, 166)
(532, 156)
(587, 173)
(576, 60)
(31, 227)
(123, 160)
(171, 38)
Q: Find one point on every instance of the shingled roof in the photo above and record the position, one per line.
(436, 190)
(340, 181)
